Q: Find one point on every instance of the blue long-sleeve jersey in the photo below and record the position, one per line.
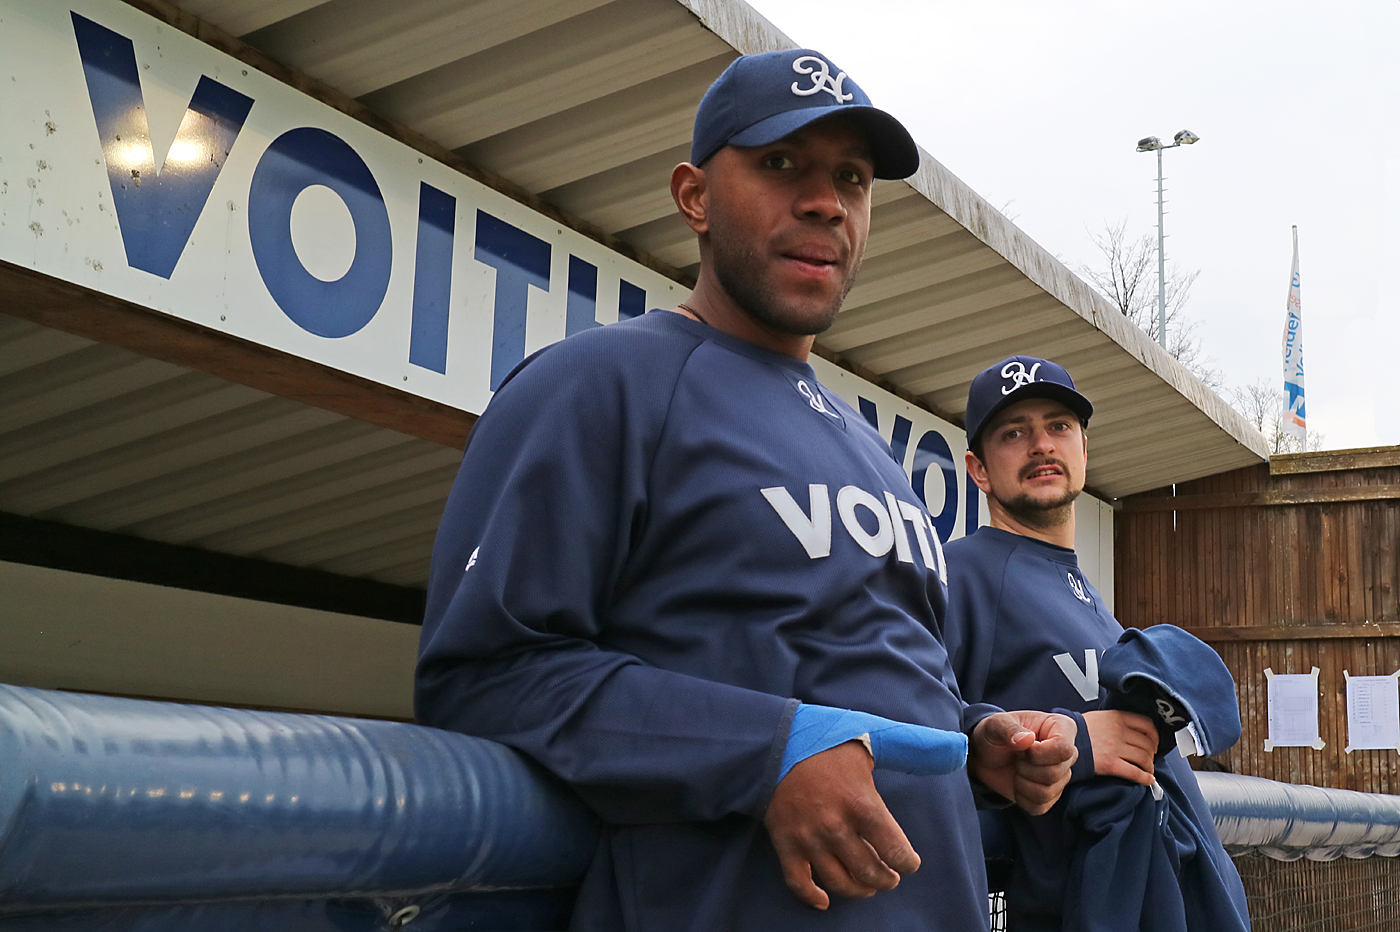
(1025, 630)
(660, 540)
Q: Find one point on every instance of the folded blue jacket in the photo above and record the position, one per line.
(1143, 862)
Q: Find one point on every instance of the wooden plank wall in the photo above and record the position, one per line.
(1287, 566)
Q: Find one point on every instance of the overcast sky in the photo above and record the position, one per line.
(1298, 108)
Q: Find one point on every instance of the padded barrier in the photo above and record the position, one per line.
(1287, 821)
(116, 802)
(118, 815)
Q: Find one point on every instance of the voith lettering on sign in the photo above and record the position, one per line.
(159, 198)
(191, 184)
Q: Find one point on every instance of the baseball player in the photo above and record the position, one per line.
(673, 562)
(1026, 629)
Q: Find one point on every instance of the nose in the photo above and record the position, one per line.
(819, 200)
(1041, 441)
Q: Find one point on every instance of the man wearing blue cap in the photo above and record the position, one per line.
(673, 563)
(1026, 629)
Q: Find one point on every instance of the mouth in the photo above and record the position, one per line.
(1041, 471)
(813, 259)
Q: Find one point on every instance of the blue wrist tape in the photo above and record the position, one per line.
(913, 749)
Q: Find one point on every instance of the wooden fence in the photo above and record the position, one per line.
(1286, 566)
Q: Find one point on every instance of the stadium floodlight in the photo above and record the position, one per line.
(1152, 144)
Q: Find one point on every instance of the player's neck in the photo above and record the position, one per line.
(1060, 534)
(710, 304)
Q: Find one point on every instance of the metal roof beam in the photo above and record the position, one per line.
(598, 52)
(360, 46)
(591, 138)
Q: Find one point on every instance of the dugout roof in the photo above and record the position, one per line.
(579, 108)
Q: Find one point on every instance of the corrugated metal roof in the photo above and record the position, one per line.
(587, 104)
(104, 438)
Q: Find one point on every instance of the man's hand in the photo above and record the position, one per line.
(1124, 744)
(827, 819)
(1024, 756)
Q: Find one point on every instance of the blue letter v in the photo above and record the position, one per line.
(156, 209)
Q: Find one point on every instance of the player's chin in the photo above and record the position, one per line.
(805, 317)
(1046, 494)
(1033, 502)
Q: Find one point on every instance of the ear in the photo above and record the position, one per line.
(690, 191)
(977, 472)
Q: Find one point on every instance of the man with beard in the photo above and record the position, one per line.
(1025, 627)
(638, 581)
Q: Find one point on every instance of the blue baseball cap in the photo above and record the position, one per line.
(1017, 378)
(759, 99)
(1174, 679)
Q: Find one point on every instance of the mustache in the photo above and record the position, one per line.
(1038, 464)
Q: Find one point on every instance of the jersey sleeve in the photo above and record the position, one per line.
(969, 630)
(974, 602)
(533, 545)
(1083, 768)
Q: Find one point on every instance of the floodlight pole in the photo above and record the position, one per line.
(1161, 258)
(1149, 144)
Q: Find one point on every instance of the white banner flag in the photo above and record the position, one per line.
(1295, 422)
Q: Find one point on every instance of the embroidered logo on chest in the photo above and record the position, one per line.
(820, 73)
(815, 399)
(1080, 590)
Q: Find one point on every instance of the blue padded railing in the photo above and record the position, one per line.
(121, 815)
(112, 803)
(1287, 821)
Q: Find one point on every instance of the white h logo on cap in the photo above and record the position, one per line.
(1016, 372)
(822, 80)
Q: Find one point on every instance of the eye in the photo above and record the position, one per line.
(778, 161)
(853, 176)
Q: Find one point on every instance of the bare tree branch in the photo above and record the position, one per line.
(1007, 212)
(1127, 277)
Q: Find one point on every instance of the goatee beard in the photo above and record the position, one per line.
(1040, 515)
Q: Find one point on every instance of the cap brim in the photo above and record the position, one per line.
(893, 150)
(1067, 396)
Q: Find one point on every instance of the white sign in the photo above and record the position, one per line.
(1373, 712)
(142, 163)
(1293, 710)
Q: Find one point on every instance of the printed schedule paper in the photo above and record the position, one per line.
(1293, 710)
(1373, 712)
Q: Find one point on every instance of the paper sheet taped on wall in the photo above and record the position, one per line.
(1293, 710)
(1373, 712)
